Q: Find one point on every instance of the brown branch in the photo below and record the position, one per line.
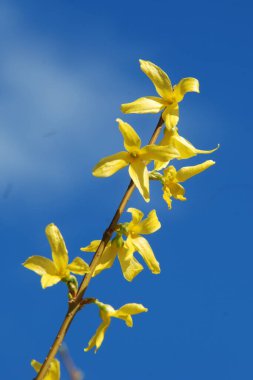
(76, 304)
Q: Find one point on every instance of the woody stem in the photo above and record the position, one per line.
(76, 303)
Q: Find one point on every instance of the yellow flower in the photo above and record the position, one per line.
(106, 313)
(183, 146)
(136, 157)
(171, 179)
(52, 272)
(125, 249)
(170, 96)
(53, 373)
(129, 265)
(136, 242)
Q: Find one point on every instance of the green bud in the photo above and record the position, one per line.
(118, 240)
(72, 284)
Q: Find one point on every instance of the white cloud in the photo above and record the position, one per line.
(46, 108)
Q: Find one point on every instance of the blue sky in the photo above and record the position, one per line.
(65, 68)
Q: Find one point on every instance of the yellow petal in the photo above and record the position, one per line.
(55, 370)
(111, 164)
(132, 140)
(36, 365)
(184, 147)
(48, 280)
(166, 140)
(53, 373)
(177, 191)
(92, 247)
(167, 196)
(129, 265)
(148, 225)
(148, 104)
(190, 171)
(167, 136)
(184, 86)
(156, 152)
(45, 268)
(132, 309)
(107, 258)
(137, 215)
(158, 77)
(125, 317)
(139, 174)
(159, 165)
(143, 247)
(79, 266)
(128, 319)
(40, 265)
(187, 150)
(171, 115)
(98, 338)
(127, 310)
(58, 247)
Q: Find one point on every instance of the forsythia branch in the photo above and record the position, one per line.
(76, 303)
(128, 237)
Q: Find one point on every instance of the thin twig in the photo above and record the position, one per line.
(76, 304)
(73, 372)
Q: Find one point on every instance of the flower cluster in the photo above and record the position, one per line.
(127, 238)
(133, 242)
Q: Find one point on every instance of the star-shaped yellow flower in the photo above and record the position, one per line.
(171, 180)
(106, 313)
(136, 157)
(53, 373)
(184, 147)
(170, 96)
(125, 249)
(52, 272)
(136, 242)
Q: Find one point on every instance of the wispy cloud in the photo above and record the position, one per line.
(46, 107)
